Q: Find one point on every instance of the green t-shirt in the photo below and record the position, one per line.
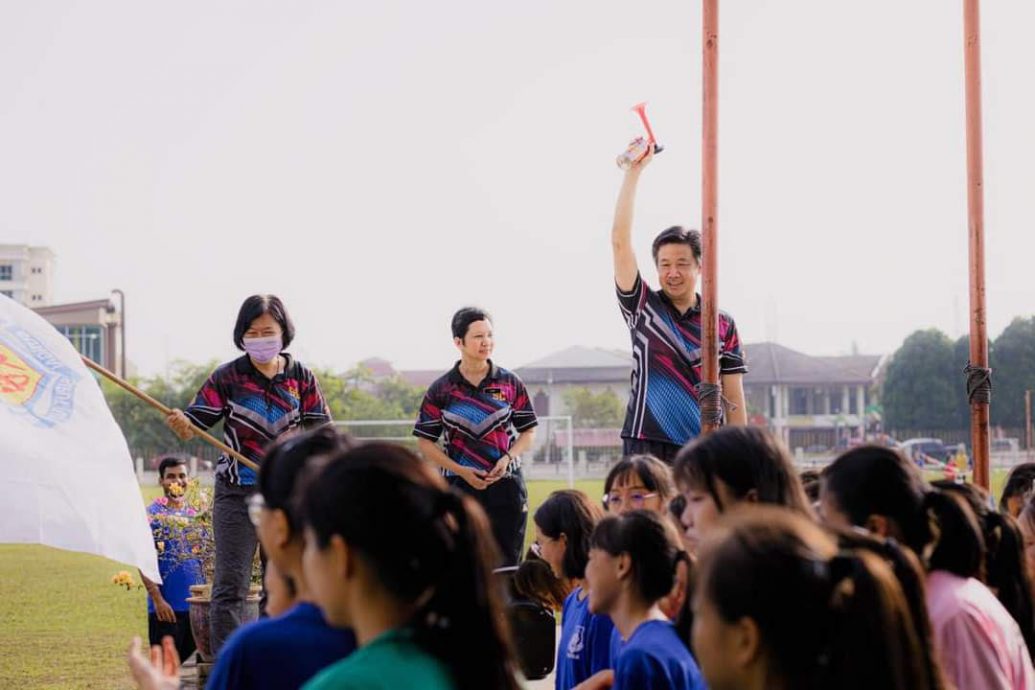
(392, 661)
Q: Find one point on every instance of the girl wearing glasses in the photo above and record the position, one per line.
(642, 482)
(638, 482)
(563, 525)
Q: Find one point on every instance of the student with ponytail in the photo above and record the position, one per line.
(632, 565)
(877, 488)
(778, 605)
(284, 652)
(909, 572)
(979, 643)
(1005, 570)
(563, 526)
(394, 553)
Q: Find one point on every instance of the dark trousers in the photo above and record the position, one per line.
(666, 452)
(180, 632)
(235, 548)
(506, 503)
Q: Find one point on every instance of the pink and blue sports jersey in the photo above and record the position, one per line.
(654, 658)
(666, 349)
(480, 423)
(256, 410)
(170, 527)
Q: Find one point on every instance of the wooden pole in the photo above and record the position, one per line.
(976, 231)
(166, 410)
(709, 212)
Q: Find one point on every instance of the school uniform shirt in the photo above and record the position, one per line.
(255, 409)
(585, 644)
(280, 653)
(654, 658)
(392, 661)
(977, 641)
(666, 346)
(480, 422)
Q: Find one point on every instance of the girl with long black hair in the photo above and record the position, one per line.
(405, 561)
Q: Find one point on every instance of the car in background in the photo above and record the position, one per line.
(924, 451)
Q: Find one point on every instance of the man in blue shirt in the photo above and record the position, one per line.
(171, 517)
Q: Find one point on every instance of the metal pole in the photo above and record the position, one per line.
(976, 231)
(709, 214)
(1027, 421)
(122, 331)
(571, 454)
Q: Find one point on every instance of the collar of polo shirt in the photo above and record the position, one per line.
(457, 377)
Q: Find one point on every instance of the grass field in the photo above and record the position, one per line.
(63, 624)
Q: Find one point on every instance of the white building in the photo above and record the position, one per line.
(26, 274)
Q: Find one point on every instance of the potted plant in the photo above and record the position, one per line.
(194, 535)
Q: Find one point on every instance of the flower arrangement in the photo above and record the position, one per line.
(124, 578)
(187, 534)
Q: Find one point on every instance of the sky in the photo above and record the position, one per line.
(380, 164)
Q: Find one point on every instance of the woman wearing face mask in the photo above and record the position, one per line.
(259, 397)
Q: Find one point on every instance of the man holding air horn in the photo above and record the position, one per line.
(666, 328)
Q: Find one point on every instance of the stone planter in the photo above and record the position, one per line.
(199, 601)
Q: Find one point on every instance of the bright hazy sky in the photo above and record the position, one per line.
(379, 164)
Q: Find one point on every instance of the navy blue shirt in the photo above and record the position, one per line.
(654, 658)
(585, 645)
(280, 653)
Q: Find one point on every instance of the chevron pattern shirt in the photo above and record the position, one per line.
(480, 423)
(666, 346)
(256, 410)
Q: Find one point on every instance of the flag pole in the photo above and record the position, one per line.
(711, 393)
(979, 382)
(166, 410)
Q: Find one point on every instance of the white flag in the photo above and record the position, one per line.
(68, 473)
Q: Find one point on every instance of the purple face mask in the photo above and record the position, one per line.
(263, 350)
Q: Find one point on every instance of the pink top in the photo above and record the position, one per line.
(979, 644)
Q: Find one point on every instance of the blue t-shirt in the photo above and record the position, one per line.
(616, 643)
(280, 653)
(171, 528)
(585, 642)
(654, 658)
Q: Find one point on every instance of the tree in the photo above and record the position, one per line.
(143, 426)
(1013, 372)
(922, 384)
(594, 410)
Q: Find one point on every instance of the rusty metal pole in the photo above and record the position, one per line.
(709, 213)
(976, 230)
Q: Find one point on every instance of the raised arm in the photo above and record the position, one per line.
(621, 230)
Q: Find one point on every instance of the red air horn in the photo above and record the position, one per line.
(640, 146)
